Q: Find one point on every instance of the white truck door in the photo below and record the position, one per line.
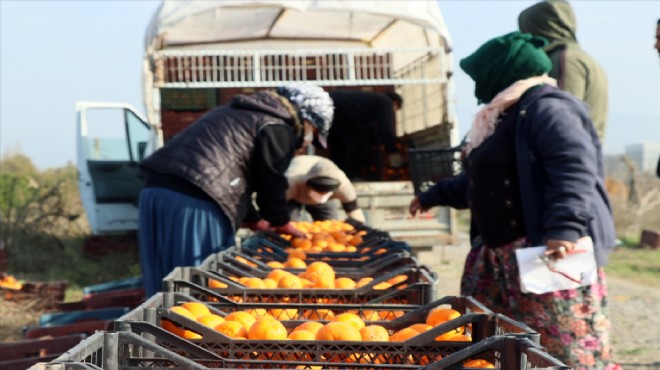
(112, 139)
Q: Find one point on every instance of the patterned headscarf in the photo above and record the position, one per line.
(504, 60)
(313, 104)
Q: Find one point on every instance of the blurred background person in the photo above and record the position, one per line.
(314, 183)
(657, 47)
(533, 175)
(363, 119)
(657, 37)
(199, 185)
(573, 68)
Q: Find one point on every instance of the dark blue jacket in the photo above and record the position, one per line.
(560, 170)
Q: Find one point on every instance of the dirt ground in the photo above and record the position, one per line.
(634, 308)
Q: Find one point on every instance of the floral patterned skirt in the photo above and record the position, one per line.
(574, 324)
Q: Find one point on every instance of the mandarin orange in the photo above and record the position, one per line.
(374, 333)
(350, 318)
(338, 330)
(441, 315)
(242, 317)
(267, 329)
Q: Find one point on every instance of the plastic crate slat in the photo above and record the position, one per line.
(227, 260)
(420, 290)
(506, 351)
(423, 347)
(110, 350)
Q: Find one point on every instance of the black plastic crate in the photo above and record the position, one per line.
(505, 352)
(68, 365)
(419, 350)
(268, 250)
(420, 287)
(232, 259)
(428, 166)
(367, 233)
(392, 316)
(122, 350)
(369, 238)
(125, 350)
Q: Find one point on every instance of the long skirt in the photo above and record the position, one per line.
(177, 230)
(574, 324)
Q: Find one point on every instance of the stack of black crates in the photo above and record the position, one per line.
(138, 340)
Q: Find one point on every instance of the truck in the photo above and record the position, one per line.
(199, 54)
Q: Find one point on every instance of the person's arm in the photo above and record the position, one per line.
(565, 151)
(346, 194)
(252, 214)
(384, 112)
(450, 192)
(253, 220)
(274, 150)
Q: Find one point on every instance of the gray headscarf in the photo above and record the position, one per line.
(313, 104)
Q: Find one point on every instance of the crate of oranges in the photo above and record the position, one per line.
(104, 348)
(501, 352)
(318, 283)
(368, 312)
(332, 231)
(322, 249)
(417, 338)
(232, 259)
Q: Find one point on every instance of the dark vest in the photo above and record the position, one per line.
(216, 151)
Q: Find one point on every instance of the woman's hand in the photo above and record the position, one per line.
(416, 206)
(261, 225)
(559, 248)
(357, 215)
(290, 229)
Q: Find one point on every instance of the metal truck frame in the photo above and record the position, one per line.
(199, 54)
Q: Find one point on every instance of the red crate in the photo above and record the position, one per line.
(25, 353)
(46, 295)
(650, 239)
(84, 327)
(130, 298)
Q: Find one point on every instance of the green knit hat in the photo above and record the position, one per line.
(504, 60)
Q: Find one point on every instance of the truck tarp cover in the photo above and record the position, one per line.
(178, 23)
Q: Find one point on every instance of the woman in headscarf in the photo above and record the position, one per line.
(533, 175)
(199, 185)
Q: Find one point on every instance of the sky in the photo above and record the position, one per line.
(54, 53)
